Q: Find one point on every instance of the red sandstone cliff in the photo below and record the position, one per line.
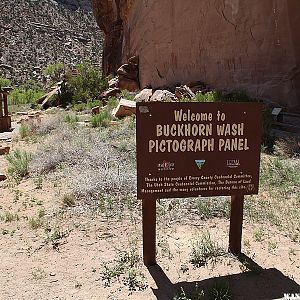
(229, 44)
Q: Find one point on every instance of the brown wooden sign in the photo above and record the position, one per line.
(198, 149)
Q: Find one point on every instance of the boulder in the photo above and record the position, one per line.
(124, 108)
(144, 95)
(128, 71)
(128, 84)
(163, 96)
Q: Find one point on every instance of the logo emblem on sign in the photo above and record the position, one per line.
(166, 166)
(200, 163)
(233, 163)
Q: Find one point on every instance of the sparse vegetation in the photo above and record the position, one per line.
(68, 200)
(89, 175)
(18, 163)
(71, 119)
(102, 119)
(209, 208)
(124, 268)
(4, 82)
(35, 223)
(196, 295)
(220, 291)
(38, 274)
(204, 249)
(8, 217)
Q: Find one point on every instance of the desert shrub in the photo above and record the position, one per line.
(88, 83)
(4, 82)
(102, 119)
(220, 291)
(213, 96)
(68, 200)
(288, 147)
(278, 173)
(24, 130)
(18, 163)
(125, 268)
(47, 124)
(212, 207)
(204, 249)
(71, 119)
(54, 71)
(85, 106)
(24, 96)
(103, 170)
(127, 95)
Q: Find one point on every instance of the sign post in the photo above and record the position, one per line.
(149, 232)
(197, 150)
(236, 224)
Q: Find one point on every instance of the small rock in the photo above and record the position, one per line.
(144, 95)
(184, 91)
(111, 92)
(163, 96)
(95, 110)
(113, 83)
(124, 108)
(4, 150)
(2, 177)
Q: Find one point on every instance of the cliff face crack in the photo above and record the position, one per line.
(159, 74)
(228, 21)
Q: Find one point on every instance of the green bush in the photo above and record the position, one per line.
(24, 130)
(54, 71)
(208, 97)
(84, 106)
(87, 84)
(21, 96)
(18, 163)
(101, 120)
(4, 82)
(71, 119)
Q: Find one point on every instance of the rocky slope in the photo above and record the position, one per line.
(34, 34)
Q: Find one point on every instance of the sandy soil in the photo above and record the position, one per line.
(34, 267)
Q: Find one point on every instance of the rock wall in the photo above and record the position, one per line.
(229, 44)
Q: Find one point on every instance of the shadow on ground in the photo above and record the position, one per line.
(257, 283)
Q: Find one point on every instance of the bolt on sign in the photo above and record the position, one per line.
(198, 149)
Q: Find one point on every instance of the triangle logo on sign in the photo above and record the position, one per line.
(200, 163)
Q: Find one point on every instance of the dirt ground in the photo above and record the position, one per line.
(34, 266)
